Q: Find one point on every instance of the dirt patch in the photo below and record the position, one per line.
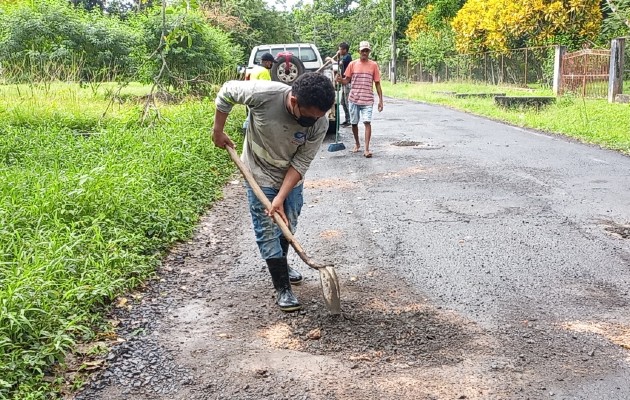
(411, 171)
(616, 333)
(329, 234)
(329, 183)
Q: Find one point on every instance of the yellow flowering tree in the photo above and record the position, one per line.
(499, 25)
(418, 23)
(430, 36)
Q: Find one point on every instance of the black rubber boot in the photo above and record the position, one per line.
(279, 270)
(294, 276)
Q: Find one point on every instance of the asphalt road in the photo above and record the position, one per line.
(477, 261)
(507, 227)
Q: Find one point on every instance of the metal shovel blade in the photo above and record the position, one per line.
(330, 289)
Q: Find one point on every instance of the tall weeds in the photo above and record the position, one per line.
(87, 207)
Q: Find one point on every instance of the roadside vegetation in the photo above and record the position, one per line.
(88, 206)
(592, 121)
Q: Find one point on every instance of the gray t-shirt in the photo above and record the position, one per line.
(274, 140)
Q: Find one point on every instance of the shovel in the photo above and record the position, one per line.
(327, 274)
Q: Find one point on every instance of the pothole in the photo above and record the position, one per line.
(416, 145)
(407, 143)
(618, 229)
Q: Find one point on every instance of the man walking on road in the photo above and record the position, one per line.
(285, 133)
(362, 74)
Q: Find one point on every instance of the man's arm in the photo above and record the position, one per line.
(380, 95)
(219, 137)
(231, 93)
(347, 78)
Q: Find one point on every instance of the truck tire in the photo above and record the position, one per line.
(284, 72)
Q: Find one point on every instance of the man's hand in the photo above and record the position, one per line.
(333, 58)
(277, 209)
(220, 139)
(380, 105)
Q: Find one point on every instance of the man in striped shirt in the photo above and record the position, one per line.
(362, 74)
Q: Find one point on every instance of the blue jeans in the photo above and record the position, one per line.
(267, 233)
(360, 113)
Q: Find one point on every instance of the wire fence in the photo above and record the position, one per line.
(526, 67)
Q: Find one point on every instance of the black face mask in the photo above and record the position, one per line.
(306, 121)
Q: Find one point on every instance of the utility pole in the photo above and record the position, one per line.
(392, 65)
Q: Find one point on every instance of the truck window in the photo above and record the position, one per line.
(305, 54)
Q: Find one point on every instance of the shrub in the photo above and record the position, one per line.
(193, 51)
(49, 40)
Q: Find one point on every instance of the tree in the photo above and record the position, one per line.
(434, 16)
(500, 25)
(325, 23)
(184, 49)
(329, 22)
(431, 48)
(89, 4)
(120, 8)
(249, 23)
(430, 36)
(616, 19)
(371, 21)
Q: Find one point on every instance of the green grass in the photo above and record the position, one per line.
(88, 206)
(592, 121)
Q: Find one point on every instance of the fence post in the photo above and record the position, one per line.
(485, 67)
(584, 72)
(557, 69)
(615, 77)
(525, 67)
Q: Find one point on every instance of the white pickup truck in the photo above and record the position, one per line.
(291, 61)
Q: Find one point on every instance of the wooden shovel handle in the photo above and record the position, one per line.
(320, 69)
(263, 199)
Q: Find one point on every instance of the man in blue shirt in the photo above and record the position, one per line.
(344, 61)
